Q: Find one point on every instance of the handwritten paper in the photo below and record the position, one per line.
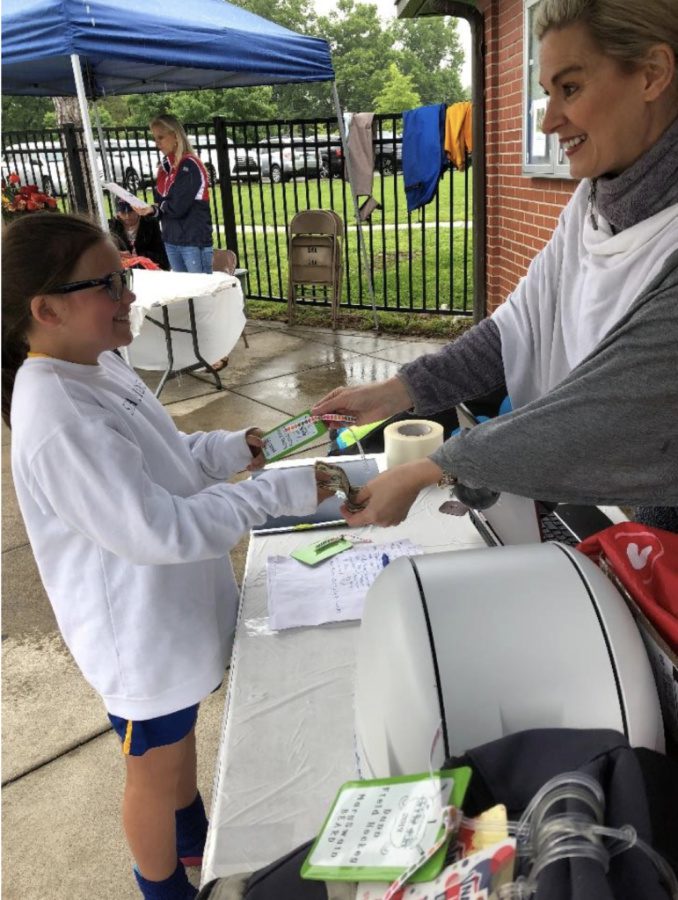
(332, 592)
(382, 825)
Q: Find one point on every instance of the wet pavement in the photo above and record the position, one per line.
(62, 770)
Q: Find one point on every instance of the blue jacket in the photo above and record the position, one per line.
(424, 159)
(182, 197)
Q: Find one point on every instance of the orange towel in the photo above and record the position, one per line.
(458, 133)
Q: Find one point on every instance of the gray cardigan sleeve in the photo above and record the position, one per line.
(608, 433)
(467, 368)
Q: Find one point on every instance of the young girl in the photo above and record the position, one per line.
(130, 522)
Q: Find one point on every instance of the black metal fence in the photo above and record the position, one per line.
(264, 172)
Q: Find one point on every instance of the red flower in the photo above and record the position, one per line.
(51, 202)
(14, 178)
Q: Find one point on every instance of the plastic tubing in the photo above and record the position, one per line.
(545, 834)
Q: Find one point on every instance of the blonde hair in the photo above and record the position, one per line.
(171, 123)
(626, 30)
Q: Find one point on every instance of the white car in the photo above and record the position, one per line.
(132, 162)
(282, 158)
(243, 163)
(37, 163)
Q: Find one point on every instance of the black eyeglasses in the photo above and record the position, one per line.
(116, 283)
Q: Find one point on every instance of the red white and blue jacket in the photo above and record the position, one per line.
(182, 198)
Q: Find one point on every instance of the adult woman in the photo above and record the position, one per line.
(586, 344)
(138, 237)
(182, 199)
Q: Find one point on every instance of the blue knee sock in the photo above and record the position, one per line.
(191, 829)
(176, 887)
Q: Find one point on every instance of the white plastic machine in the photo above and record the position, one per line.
(490, 642)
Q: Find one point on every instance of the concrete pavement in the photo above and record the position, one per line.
(62, 770)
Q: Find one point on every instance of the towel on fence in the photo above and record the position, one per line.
(424, 160)
(458, 133)
(361, 152)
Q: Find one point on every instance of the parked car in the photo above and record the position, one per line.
(331, 156)
(243, 163)
(37, 163)
(388, 152)
(284, 157)
(132, 162)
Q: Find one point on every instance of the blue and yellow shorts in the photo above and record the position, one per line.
(139, 736)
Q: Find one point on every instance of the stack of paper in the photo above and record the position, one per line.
(332, 592)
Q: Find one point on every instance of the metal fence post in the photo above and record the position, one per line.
(77, 187)
(225, 185)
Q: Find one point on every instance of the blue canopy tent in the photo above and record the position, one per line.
(94, 48)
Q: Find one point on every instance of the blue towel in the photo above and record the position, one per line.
(424, 159)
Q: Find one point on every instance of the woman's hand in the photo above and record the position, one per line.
(368, 403)
(253, 436)
(321, 479)
(389, 496)
(144, 210)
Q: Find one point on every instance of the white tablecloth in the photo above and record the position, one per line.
(219, 315)
(287, 741)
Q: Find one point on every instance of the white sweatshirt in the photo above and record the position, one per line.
(131, 526)
(575, 291)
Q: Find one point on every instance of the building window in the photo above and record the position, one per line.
(542, 154)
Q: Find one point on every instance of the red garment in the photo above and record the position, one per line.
(646, 562)
(139, 262)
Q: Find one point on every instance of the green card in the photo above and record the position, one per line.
(377, 829)
(291, 435)
(319, 551)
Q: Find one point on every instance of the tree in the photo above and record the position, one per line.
(202, 106)
(397, 94)
(24, 113)
(361, 52)
(430, 52)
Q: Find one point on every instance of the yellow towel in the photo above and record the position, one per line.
(458, 133)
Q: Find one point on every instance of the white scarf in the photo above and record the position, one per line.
(575, 290)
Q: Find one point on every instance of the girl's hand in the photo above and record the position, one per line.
(389, 496)
(144, 210)
(255, 443)
(368, 403)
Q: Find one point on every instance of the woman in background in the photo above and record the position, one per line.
(137, 236)
(181, 199)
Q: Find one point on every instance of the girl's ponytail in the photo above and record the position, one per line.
(39, 252)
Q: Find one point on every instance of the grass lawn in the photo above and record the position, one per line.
(265, 203)
(411, 269)
(414, 324)
(419, 262)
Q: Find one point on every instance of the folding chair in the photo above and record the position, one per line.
(315, 256)
(227, 261)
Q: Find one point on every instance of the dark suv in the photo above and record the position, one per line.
(388, 154)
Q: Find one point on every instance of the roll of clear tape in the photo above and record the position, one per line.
(410, 440)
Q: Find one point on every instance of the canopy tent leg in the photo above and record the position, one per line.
(89, 140)
(102, 143)
(347, 169)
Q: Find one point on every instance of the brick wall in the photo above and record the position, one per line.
(521, 211)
